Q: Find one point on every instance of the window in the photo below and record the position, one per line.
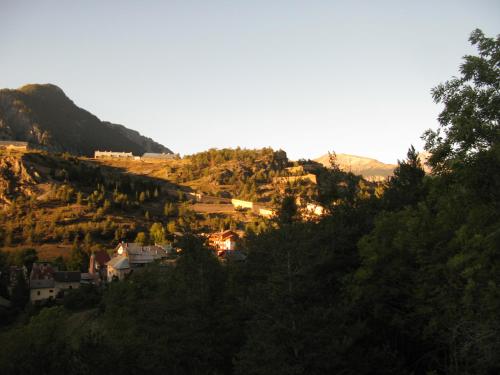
(38, 293)
(51, 291)
(71, 286)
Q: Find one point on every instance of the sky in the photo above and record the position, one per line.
(305, 76)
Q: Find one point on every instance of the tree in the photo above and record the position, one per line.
(406, 187)
(141, 238)
(469, 120)
(78, 259)
(26, 258)
(157, 233)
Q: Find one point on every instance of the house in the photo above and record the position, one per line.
(130, 256)
(48, 283)
(139, 254)
(223, 241)
(66, 280)
(42, 283)
(118, 267)
(112, 154)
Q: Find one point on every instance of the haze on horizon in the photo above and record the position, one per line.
(307, 77)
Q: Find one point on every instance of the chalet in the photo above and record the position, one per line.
(223, 241)
(42, 283)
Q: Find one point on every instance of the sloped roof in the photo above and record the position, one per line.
(119, 263)
(42, 283)
(42, 271)
(67, 276)
(101, 257)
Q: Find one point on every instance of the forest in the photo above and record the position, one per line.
(402, 281)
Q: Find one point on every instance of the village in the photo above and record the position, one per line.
(47, 283)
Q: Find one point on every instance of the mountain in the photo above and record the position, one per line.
(45, 116)
(370, 169)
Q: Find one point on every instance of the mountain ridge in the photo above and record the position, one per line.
(369, 168)
(42, 114)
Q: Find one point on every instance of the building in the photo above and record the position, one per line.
(112, 154)
(42, 283)
(223, 241)
(48, 283)
(66, 280)
(117, 268)
(158, 156)
(97, 267)
(314, 209)
(291, 179)
(14, 145)
(237, 203)
(130, 256)
(267, 212)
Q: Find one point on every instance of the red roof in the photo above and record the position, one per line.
(102, 257)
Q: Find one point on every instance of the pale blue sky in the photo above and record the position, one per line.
(304, 76)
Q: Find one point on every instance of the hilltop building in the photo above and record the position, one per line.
(158, 156)
(112, 154)
(238, 203)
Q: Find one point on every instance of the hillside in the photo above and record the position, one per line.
(43, 115)
(370, 169)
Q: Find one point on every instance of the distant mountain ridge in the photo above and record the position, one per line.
(369, 168)
(45, 116)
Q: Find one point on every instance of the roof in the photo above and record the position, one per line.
(42, 283)
(221, 236)
(119, 263)
(101, 257)
(41, 271)
(142, 254)
(67, 276)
